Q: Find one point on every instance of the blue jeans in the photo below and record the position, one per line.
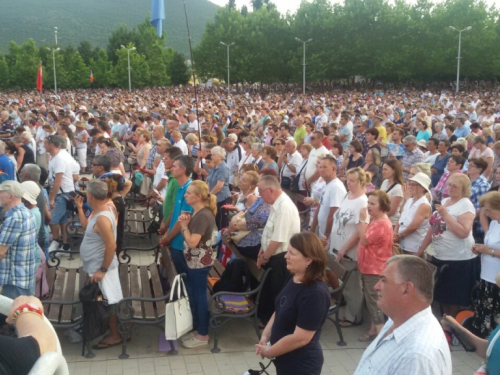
(13, 292)
(59, 213)
(196, 285)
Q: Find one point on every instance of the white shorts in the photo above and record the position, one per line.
(81, 154)
(111, 287)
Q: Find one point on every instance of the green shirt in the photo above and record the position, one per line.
(168, 203)
(300, 134)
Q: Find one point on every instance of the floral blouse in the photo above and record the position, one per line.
(256, 216)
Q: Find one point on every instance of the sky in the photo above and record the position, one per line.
(292, 5)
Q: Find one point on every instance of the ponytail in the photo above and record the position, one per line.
(209, 200)
(211, 203)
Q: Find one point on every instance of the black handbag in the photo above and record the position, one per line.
(294, 183)
(95, 312)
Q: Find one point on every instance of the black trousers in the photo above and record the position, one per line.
(272, 287)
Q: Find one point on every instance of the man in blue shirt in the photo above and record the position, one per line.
(6, 165)
(182, 168)
(461, 130)
(18, 245)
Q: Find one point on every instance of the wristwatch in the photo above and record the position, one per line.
(183, 229)
(103, 269)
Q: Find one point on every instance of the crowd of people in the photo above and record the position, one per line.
(292, 182)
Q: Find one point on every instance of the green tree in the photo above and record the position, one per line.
(23, 66)
(178, 70)
(158, 64)
(244, 11)
(4, 74)
(231, 4)
(102, 69)
(121, 37)
(139, 68)
(86, 52)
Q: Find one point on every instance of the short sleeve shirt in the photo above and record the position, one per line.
(216, 174)
(372, 257)
(61, 163)
(180, 206)
(18, 231)
(203, 223)
(396, 191)
(333, 194)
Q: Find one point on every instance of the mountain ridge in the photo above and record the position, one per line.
(95, 20)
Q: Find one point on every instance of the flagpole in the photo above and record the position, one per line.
(194, 76)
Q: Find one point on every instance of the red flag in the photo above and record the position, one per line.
(39, 78)
(91, 77)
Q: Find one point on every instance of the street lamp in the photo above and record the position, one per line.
(303, 64)
(55, 33)
(128, 55)
(459, 46)
(228, 76)
(54, 50)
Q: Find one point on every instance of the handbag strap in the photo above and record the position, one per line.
(172, 289)
(181, 283)
(388, 190)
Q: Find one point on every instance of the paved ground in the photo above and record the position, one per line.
(236, 356)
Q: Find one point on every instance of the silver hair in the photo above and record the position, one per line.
(32, 172)
(219, 151)
(27, 135)
(292, 142)
(270, 182)
(411, 139)
(98, 189)
(257, 146)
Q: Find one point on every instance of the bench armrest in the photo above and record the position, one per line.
(126, 258)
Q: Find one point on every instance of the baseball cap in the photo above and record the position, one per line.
(31, 191)
(12, 187)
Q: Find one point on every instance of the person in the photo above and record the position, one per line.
(412, 155)
(393, 183)
(234, 153)
(329, 202)
(352, 158)
(268, 155)
(218, 182)
(311, 174)
(25, 154)
(98, 254)
(345, 238)
(487, 305)
(253, 219)
(424, 132)
(6, 164)
(414, 221)
(411, 341)
(81, 139)
(35, 337)
(372, 163)
(247, 194)
(489, 349)
(294, 329)
(480, 150)
(196, 229)
(440, 161)
(374, 249)
(256, 150)
(450, 232)
(282, 224)
(141, 151)
(18, 247)
(454, 166)
(479, 187)
(290, 162)
(61, 185)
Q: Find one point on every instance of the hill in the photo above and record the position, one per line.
(94, 20)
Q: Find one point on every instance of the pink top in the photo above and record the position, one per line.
(372, 257)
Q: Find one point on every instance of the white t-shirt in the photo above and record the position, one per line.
(62, 163)
(160, 174)
(183, 146)
(333, 194)
(344, 224)
(40, 136)
(447, 246)
(412, 242)
(396, 191)
(193, 126)
(490, 266)
(311, 161)
(430, 159)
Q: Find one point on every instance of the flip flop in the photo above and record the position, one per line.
(347, 323)
(101, 346)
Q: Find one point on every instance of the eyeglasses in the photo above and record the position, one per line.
(263, 190)
(312, 138)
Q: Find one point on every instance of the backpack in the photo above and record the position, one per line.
(235, 278)
(95, 312)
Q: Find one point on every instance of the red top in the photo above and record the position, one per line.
(372, 257)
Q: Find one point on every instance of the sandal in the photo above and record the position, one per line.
(347, 323)
(367, 337)
(104, 345)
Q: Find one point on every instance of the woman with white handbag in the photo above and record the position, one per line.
(199, 256)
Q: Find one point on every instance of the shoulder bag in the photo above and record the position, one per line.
(178, 316)
(201, 256)
(294, 184)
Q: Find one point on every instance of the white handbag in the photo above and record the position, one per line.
(178, 316)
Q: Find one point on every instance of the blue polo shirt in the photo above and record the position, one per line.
(179, 206)
(461, 133)
(7, 166)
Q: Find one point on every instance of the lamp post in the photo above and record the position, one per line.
(55, 33)
(228, 68)
(303, 64)
(128, 55)
(459, 46)
(54, 50)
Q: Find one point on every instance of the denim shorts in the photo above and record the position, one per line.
(59, 213)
